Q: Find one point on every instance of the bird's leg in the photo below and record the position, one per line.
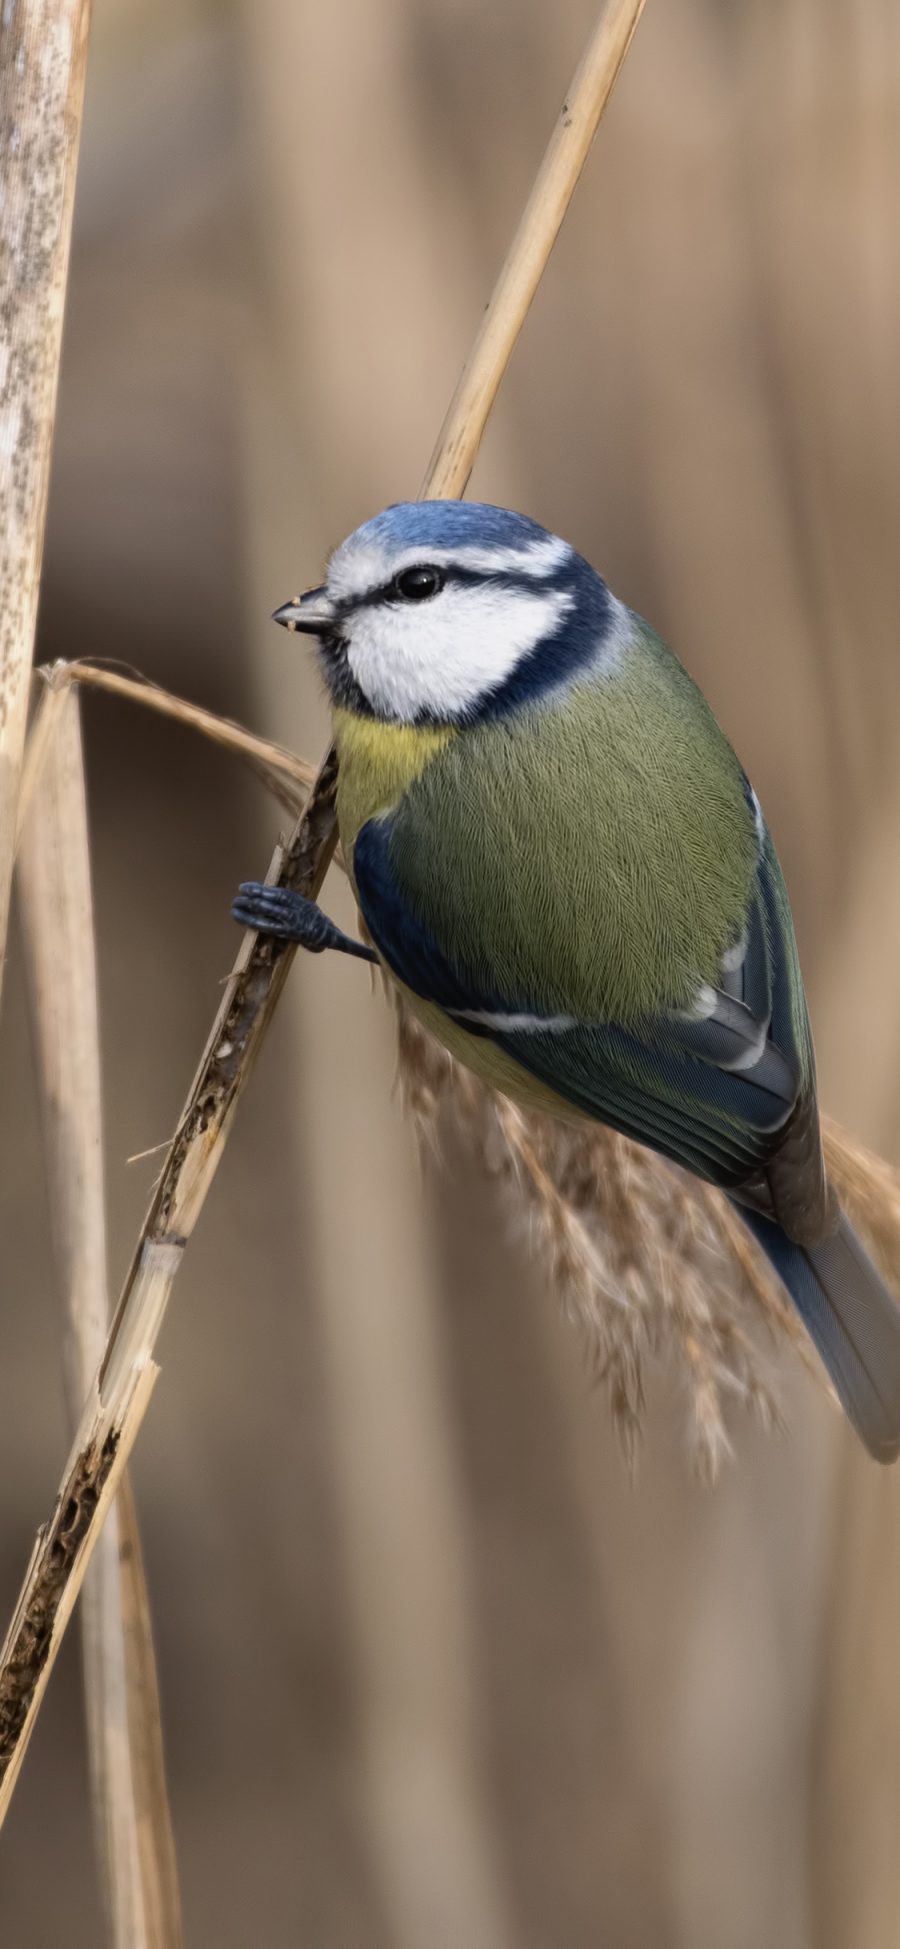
(276, 910)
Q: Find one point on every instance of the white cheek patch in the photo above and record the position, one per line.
(442, 656)
(359, 567)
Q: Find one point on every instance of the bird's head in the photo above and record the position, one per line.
(447, 612)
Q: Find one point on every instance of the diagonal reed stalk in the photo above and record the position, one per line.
(131, 1815)
(119, 1395)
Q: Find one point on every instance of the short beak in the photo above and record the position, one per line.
(312, 612)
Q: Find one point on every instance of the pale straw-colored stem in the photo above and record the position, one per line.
(467, 415)
(43, 53)
(288, 776)
(38, 745)
(131, 1815)
(116, 1405)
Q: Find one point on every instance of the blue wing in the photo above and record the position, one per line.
(711, 1088)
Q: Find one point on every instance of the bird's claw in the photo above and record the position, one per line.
(276, 910)
(291, 917)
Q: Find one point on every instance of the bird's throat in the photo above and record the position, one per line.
(377, 764)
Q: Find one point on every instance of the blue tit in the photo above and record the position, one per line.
(560, 861)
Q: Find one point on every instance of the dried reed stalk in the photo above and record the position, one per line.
(43, 50)
(467, 415)
(43, 53)
(120, 1394)
(131, 1814)
(55, 1574)
(38, 744)
(288, 776)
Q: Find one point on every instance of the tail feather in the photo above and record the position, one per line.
(853, 1319)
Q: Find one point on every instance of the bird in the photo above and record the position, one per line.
(559, 859)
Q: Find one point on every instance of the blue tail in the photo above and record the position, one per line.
(853, 1319)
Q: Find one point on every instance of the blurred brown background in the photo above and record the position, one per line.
(434, 1671)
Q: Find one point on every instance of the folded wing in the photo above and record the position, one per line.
(714, 1087)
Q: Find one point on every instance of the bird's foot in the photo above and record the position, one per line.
(291, 917)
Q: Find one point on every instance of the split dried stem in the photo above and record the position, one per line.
(97, 1459)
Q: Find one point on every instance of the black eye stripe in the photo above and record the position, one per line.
(455, 577)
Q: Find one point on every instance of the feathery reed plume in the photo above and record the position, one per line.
(642, 1257)
(870, 1190)
(648, 1261)
(120, 1394)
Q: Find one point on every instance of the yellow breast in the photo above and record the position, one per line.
(377, 763)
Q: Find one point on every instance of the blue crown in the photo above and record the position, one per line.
(452, 524)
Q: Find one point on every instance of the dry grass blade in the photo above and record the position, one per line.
(255, 985)
(156, 1845)
(41, 733)
(134, 1834)
(43, 52)
(286, 775)
(57, 918)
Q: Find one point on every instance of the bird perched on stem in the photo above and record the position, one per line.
(559, 859)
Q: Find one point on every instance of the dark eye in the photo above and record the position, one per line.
(417, 584)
